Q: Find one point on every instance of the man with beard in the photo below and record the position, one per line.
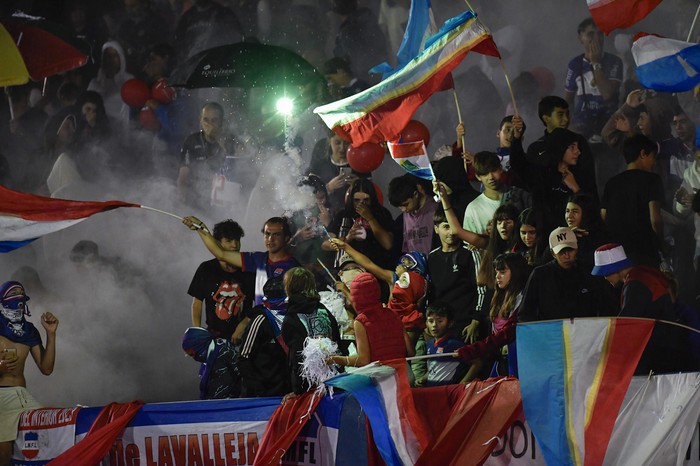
(18, 339)
(225, 291)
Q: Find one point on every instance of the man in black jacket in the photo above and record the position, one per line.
(560, 289)
(263, 359)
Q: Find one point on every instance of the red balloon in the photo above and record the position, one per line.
(365, 158)
(415, 131)
(162, 92)
(149, 120)
(135, 93)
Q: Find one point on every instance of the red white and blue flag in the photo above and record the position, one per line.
(573, 378)
(384, 394)
(26, 217)
(381, 112)
(619, 14)
(666, 65)
(412, 157)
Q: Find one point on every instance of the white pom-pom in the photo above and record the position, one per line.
(316, 352)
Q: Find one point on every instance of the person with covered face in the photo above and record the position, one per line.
(18, 339)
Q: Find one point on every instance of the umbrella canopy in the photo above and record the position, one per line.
(244, 65)
(35, 48)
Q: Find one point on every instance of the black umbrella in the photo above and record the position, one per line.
(244, 65)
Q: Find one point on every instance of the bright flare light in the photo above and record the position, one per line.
(285, 106)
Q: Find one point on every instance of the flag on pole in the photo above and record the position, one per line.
(666, 65)
(573, 379)
(380, 113)
(619, 14)
(26, 217)
(412, 157)
(421, 26)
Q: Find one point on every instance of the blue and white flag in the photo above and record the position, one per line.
(666, 65)
(421, 25)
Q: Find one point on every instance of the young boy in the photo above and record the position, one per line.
(443, 371)
(631, 203)
(505, 146)
(554, 113)
(453, 276)
(413, 197)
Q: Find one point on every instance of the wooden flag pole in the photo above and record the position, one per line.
(510, 89)
(459, 116)
(692, 26)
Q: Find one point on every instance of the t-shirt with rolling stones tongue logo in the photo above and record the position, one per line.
(226, 295)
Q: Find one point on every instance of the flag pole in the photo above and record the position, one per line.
(459, 116)
(510, 89)
(431, 356)
(161, 211)
(692, 26)
(327, 271)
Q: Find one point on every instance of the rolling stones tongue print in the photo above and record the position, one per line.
(229, 300)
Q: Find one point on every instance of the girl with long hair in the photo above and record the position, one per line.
(365, 224)
(502, 238)
(512, 273)
(532, 238)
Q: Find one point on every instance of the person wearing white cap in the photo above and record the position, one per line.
(561, 289)
(645, 293)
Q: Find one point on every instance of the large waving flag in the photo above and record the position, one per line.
(412, 157)
(26, 217)
(449, 424)
(573, 379)
(666, 65)
(619, 14)
(380, 113)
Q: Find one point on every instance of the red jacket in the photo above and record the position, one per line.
(384, 328)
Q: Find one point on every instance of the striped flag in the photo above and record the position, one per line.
(573, 379)
(619, 14)
(380, 113)
(666, 65)
(412, 157)
(384, 393)
(26, 217)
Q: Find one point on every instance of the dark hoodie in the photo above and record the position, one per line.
(306, 317)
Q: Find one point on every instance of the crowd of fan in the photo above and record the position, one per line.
(594, 218)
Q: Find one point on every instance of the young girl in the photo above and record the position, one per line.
(511, 272)
(532, 241)
(502, 239)
(364, 223)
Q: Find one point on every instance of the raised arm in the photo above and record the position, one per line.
(46, 357)
(470, 237)
(365, 262)
(230, 257)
